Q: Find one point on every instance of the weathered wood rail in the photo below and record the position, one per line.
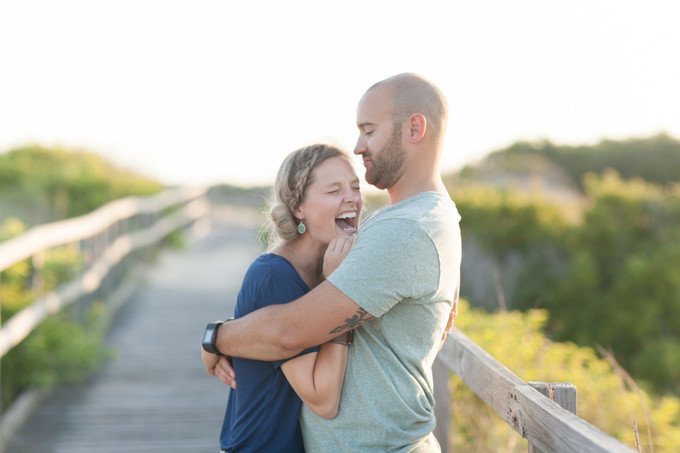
(103, 238)
(548, 426)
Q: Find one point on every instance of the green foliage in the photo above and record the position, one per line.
(505, 221)
(46, 184)
(10, 228)
(611, 280)
(38, 185)
(605, 398)
(61, 350)
(13, 279)
(655, 159)
(58, 265)
(622, 276)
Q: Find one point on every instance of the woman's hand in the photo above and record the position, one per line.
(220, 367)
(336, 252)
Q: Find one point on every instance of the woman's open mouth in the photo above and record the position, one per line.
(347, 222)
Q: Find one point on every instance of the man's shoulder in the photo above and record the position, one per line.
(422, 209)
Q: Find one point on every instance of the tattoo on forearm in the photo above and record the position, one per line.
(358, 319)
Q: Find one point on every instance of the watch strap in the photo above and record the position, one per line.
(209, 343)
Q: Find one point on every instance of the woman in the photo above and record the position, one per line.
(317, 203)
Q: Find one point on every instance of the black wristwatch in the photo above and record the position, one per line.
(210, 336)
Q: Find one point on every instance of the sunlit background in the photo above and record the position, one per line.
(204, 92)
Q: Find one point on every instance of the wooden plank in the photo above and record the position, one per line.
(532, 415)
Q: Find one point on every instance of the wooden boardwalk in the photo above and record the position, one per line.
(155, 395)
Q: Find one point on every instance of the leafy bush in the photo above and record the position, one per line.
(61, 350)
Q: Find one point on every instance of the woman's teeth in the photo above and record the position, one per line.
(345, 221)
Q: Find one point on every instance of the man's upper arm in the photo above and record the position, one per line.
(393, 260)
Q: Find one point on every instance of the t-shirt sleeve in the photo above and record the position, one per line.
(392, 260)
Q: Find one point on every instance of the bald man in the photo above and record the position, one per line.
(397, 288)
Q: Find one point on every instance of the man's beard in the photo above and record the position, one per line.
(387, 164)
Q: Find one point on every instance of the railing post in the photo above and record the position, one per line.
(442, 408)
(563, 393)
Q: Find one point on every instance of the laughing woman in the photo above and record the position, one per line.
(317, 203)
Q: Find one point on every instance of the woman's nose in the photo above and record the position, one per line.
(352, 196)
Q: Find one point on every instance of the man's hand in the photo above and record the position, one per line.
(336, 252)
(452, 316)
(220, 367)
(449, 324)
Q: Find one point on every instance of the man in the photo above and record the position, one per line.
(397, 288)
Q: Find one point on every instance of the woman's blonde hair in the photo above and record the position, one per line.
(292, 180)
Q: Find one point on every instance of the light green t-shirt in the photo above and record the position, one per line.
(404, 269)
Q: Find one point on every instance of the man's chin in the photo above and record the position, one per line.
(369, 179)
(377, 184)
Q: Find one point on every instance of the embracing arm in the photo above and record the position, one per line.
(280, 331)
(317, 377)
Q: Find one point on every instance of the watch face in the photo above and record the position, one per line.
(207, 336)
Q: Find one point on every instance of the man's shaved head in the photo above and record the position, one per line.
(411, 94)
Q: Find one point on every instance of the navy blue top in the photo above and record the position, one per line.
(262, 413)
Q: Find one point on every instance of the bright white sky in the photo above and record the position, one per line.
(211, 91)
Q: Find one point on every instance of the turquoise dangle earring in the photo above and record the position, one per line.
(301, 228)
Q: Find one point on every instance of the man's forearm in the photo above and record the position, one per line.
(259, 335)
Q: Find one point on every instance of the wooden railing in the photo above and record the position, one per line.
(549, 424)
(103, 238)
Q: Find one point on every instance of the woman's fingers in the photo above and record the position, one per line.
(337, 250)
(225, 372)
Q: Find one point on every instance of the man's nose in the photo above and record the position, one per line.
(360, 147)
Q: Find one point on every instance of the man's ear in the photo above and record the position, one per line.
(417, 124)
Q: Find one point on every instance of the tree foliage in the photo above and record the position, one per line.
(655, 159)
(611, 280)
